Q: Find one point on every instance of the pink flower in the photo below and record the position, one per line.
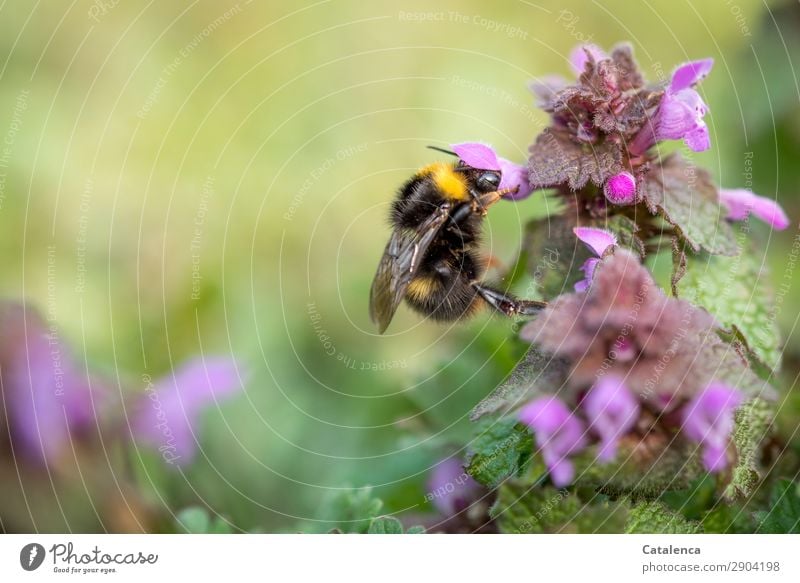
(49, 399)
(680, 113)
(708, 420)
(483, 157)
(559, 434)
(450, 488)
(167, 416)
(621, 189)
(612, 411)
(741, 202)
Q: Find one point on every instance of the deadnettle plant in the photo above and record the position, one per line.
(630, 384)
(639, 364)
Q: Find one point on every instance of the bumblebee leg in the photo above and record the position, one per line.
(508, 304)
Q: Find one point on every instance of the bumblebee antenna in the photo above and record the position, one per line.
(438, 149)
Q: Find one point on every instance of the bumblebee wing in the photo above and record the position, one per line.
(399, 264)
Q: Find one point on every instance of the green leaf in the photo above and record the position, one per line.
(501, 449)
(642, 470)
(536, 373)
(385, 525)
(784, 516)
(686, 198)
(196, 520)
(351, 511)
(656, 518)
(523, 507)
(736, 290)
(415, 530)
(693, 502)
(555, 255)
(626, 231)
(726, 519)
(753, 420)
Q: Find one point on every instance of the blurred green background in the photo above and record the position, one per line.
(213, 177)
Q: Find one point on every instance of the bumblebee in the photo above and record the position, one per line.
(432, 258)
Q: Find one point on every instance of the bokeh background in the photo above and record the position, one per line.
(212, 177)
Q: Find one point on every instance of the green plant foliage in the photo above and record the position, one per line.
(737, 291)
(784, 514)
(196, 520)
(657, 518)
(687, 199)
(526, 507)
(500, 449)
(390, 525)
(753, 420)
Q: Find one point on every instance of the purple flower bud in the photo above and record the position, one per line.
(167, 416)
(559, 434)
(680, 113)
(48, 397)
(450, 488)
(741, 202)
(597, 240)
(514, 176)
(580, 55)
(708, 420)
(612, 410)
(621, 189)
(477, 155)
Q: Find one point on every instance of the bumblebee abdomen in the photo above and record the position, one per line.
(443, 288)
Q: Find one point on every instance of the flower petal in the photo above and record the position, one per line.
(47, 396)
(450, 488)
(477, 155)
(514, 176)
(621, 188)
(168, 414)
(581, 54)
(557, 430)
(690, 73)
(588, 268)
(612, 410)
(598, 240)
(697, 140)
(741, 202)
(708, 420)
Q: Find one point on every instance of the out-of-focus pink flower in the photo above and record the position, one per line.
(581, 54)
(559, 434)
(621, 189)
(49, 399)
(167, 416)
(612, 410)
(741, 202)
(483, 157)
(708, 420)
(680, 113)
(450, 488)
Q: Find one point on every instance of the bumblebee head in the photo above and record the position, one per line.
(480, 180)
